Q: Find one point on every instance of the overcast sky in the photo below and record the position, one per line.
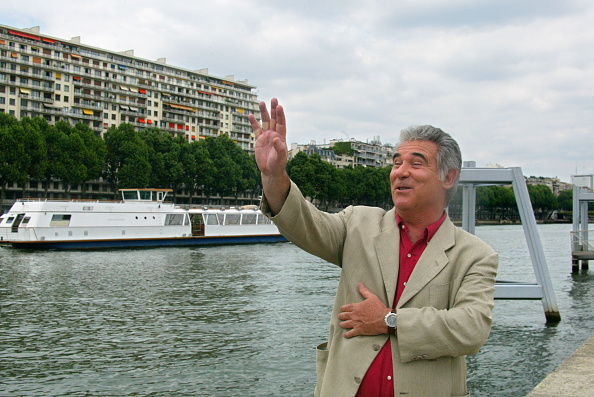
(512, 81)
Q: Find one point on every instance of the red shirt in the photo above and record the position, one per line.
(378, 381)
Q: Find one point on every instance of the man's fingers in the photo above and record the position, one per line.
(281, 123)
(255, 125)
(265, 116)
(273, 120)
(365, 293)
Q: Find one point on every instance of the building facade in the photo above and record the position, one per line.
(367, 154)
(58, 79)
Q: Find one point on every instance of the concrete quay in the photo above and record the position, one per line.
(574, 377)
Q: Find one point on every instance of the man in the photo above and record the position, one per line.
(415, 294)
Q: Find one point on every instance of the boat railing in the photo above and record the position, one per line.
(43, 200)
(219, 207)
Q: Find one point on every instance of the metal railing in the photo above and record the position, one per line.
(581, 242)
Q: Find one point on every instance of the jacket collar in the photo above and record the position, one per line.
(431, 262)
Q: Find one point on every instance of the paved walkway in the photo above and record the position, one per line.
(574, 377)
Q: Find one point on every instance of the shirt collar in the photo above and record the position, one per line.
(429, 230)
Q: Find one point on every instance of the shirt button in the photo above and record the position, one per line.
(357, 379)
(405, 283)
(408, 255)
(403, 226)
(376, 347)
(389, 377)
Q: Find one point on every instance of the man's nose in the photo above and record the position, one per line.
(403, 171)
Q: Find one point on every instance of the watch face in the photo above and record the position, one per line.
(391, 320)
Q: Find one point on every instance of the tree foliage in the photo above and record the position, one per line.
(32, 149)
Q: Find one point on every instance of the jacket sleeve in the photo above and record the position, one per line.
(464, 324)
(317, 232)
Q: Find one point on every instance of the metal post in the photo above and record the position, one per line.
(535, 247)
(469, 208)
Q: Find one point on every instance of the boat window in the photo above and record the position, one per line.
(174, 219)
(249, 219)
(26, 220)
(130, 195)
(262, 220)
(60, 220)
(10, 219)
(221, 218)
(145, 195)
(232, 219)
(210, 219)
(187, 219)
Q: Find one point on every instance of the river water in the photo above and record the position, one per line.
(239, 320)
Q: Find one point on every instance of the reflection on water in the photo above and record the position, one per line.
(240, 320)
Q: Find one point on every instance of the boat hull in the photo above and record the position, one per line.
(145, 243)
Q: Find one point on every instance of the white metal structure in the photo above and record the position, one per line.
(581, 247)
(543, 288)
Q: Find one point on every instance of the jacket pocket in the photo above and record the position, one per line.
(321, 361)
(439, 296)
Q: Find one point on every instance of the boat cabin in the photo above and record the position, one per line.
(135, 195)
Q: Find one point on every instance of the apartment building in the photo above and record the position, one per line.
(60, 79)
(367, 154)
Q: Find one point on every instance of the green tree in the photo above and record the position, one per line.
(302, 172)
(93, 152)
(199, 175)
(164, 155)
(55, 140)
(226, 171)
(12, 150)
(246, 178)
(127, 164)
(34, 162)
(542, 198)
(565, 200)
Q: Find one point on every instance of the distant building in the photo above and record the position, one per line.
(60, 79)
(553, 183)
(367, 154)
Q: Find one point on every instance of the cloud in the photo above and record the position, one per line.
(510, 80)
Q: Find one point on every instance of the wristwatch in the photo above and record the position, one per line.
(390, 320)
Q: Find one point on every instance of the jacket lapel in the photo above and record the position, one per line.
(431, 262)
(387, 248)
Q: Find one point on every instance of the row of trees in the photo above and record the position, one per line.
(32, 149)
(371, 186)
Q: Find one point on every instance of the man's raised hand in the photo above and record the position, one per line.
(271, 154)
(271, 139)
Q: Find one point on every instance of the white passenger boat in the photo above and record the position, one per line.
(141, 219)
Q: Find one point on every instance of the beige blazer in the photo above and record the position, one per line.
(444, 312)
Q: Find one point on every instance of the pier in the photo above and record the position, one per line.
(582, 245)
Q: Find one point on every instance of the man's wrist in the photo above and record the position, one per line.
(390, 320)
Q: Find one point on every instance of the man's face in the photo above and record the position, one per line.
(416, 188)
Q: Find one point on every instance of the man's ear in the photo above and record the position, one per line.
(450, 178)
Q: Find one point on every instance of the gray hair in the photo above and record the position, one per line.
(448, 152)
